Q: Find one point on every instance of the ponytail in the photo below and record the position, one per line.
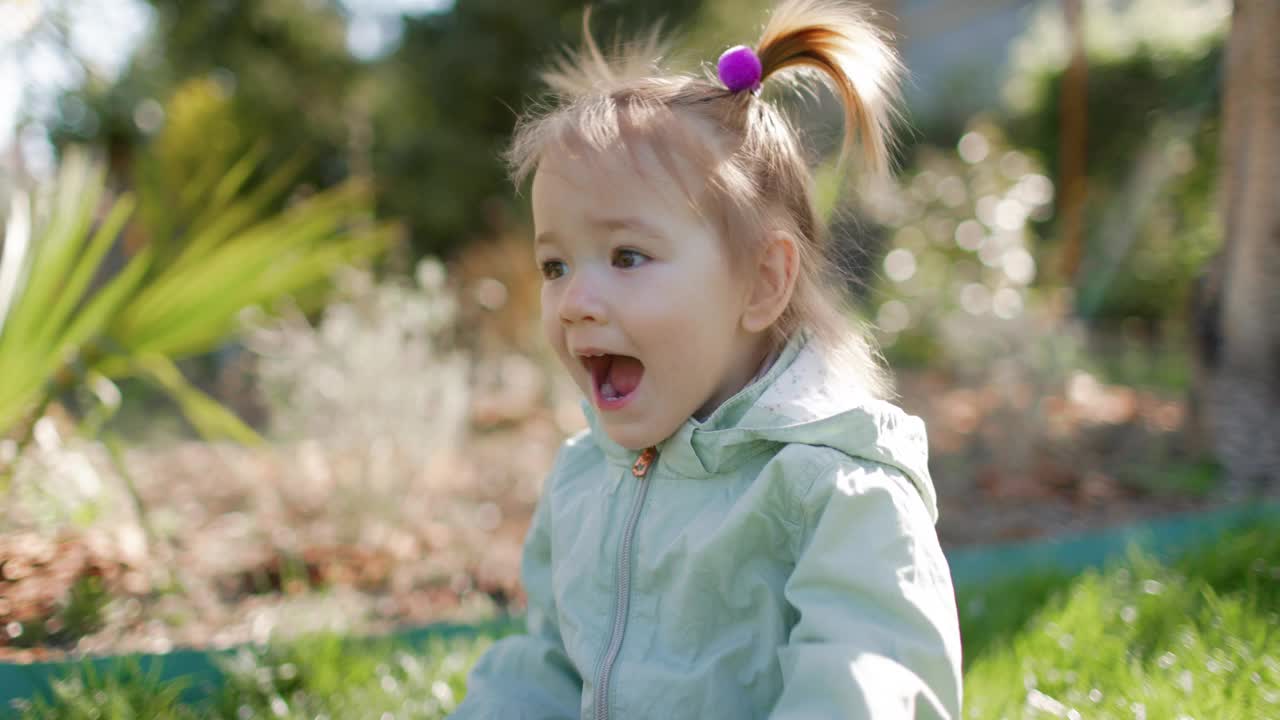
(836, 40)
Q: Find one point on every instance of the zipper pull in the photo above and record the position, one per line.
(643, 463)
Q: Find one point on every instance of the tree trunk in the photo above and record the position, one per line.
(1073, 129)
(1239, 306)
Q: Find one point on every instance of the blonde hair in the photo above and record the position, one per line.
(758, 178)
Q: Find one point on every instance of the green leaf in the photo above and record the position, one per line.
(94, 319)
(191, 328)
(255, 202)
(88, 264)
(57, 246)
(14, 254)
(201, 299)
(237, 175)
(212, 420)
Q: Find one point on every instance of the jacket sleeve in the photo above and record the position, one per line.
(877, 634)
(527, 677)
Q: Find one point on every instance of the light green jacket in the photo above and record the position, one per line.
(778, 559)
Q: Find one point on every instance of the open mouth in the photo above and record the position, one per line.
(614, 377)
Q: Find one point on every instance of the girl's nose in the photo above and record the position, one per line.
(580, 301)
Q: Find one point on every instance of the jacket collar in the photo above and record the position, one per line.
(802, 398)
(681, 451)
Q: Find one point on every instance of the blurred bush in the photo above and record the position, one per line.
(379, 359)
(954, 282)
(1154, 95)
(370, 404)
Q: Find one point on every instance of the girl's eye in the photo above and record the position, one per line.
(552, 269)
(629, 258)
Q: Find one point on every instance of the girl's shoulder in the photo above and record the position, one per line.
(813, 476)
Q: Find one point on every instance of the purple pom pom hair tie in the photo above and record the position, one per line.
(740, 69)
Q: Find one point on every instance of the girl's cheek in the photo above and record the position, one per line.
(550, 324)
(547, 299)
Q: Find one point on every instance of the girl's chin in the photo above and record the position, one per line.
(634, 437)
(633, 443)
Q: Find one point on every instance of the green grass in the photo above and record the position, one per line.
(328, 676)
(1001, 610)
(1198, 638)
(128, 692)
(322, 676)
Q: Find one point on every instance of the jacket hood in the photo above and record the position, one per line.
(803, 398)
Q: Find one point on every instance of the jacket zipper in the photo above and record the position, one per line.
(640, 469)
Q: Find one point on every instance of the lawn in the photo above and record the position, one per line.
(1198, 638)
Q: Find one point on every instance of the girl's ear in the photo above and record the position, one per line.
(775, 279)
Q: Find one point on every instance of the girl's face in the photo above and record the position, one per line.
(638, 297)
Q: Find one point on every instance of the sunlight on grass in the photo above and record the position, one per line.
(323, 676)
(330, 676)
(1197, 640)
(127, 692)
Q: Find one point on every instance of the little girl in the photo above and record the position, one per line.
(746, 528)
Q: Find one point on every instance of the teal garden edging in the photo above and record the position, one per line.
(1165, 539)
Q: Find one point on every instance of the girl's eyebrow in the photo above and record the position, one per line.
(633, 224)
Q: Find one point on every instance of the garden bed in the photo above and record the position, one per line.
(239, 545)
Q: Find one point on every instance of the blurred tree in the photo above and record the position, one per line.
(447, 100)
(1240, 300)
(428, 120)
(283, 62)
(1075, 113)
(1151, 141)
